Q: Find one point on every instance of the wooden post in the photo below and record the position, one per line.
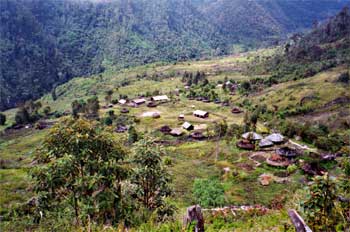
(194, 215)
(298, 222)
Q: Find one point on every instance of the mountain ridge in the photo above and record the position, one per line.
(46, 43)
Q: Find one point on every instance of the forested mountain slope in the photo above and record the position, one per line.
(44, 42)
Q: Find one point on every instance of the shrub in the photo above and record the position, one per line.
(332, 143)
(208, 192)
(292, 168)
(108, 121)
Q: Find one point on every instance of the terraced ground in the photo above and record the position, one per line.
(190, 159)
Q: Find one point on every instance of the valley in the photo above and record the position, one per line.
(165, 116)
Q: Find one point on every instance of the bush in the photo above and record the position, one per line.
(208, 192)
(292, 168)
(332, 143)
(108, 121)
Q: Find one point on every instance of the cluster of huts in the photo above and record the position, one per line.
(152, 102)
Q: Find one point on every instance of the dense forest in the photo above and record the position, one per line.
(45, 43)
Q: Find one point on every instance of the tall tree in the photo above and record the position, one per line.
(82, 167)
(150, 176)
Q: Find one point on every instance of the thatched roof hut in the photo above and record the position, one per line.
(286, 152)
(156, 115)
(245, 144)
(236, 110)
(265, 143)
(197, 135)
(124, 110)
(252, 136)
(165, 129)
(152, 104)
(275, 138)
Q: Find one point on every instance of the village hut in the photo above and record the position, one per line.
(197, 135)
(287, 152)
(252, 136)
(110, 105)
(201, 114)
(265, 143)
(275, 138)
(139, 101)
(124, 110)
(187, 126)
(205, 100)
(151, 104)
(236, 110)
(277, 161)
(313, 169)
(122, 101)
(225, 104)
(156, 115)
(161, 98)
(181, 117)
(245, 144)
(165, 129)
(121, 129)
(176, 132)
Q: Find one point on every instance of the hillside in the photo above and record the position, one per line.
(190, 160)
(46, 43)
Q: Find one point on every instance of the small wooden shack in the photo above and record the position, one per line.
(201, 114)
(187, 126)
(139, 101)
(122, 101)
(176, 132)
(161, 98)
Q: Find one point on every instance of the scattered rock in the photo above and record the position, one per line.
(265, 179)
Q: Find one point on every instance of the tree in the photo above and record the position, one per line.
(77, 107)
(320, 206)
(22, 116)
(92, 107)
(108, 96)
(53, 94)
(47, 110)
(81, 166)
(132, 135)
(2, 119)
(221, 128)
(150, 176)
